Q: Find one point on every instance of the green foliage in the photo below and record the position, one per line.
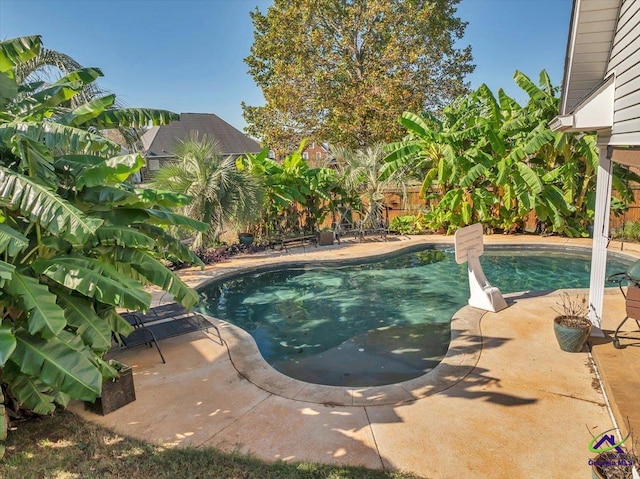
(342, 71)
(493, 161)
(75, 241)
(297, 198)
(629, 232)
(410, 225)
(222, 193)
(359, 172)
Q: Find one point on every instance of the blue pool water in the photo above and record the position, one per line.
(379, 322)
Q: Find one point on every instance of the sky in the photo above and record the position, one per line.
(187, 55)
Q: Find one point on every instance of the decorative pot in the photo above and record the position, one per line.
(116, 393)
(324, 238)
(570, 338)
(612, 464)
(245, 238)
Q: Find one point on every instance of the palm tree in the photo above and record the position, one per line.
(222, 194)
(360, 172)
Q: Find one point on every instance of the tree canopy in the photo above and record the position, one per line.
(344, 70)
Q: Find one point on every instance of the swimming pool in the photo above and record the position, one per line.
(378, 322)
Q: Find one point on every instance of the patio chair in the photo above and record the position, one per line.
(345, 225)
(632, 297)
(163, 322)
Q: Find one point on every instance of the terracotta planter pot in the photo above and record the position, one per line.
(570, 339)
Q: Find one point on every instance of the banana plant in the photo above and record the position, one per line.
(494, 161)
(77, 241)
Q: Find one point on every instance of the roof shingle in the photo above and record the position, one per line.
(160, 141)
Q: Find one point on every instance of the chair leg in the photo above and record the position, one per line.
(155, 342)
(616, 340)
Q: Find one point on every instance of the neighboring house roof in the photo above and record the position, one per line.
(160, 141)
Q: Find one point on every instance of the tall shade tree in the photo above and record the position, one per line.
(343, 70)
(76, 240)
(494, 161)
(222, 194)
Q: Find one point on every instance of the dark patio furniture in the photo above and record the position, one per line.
(632, 297)
(162, 322)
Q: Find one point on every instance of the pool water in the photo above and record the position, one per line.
(379, 322)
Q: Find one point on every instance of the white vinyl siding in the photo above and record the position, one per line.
(625, 61)
(591, 48)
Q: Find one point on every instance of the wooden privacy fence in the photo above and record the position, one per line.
(414, 204)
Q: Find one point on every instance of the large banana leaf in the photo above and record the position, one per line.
(162, 198)
(30, 392)
(45, 207)
(117, 323)
(7, 343)
(95, 279)
(88, 111)
(132, 118)
(60, 137)
(12, 242)
(44, 316)
(8, 92)
(168, 245)
(35, 158)
(112, 171)
(166, 217)
(58, 366)
(6, 272)
(96, 171)
(107, 197)
(156, 273)
(124, 236)
(18, 50)
(530, 177)
(93, 329)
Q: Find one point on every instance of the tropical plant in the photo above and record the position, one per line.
(409, 225)
(75, 241)
(342, 71)
(359, 172)
(629, 231)
(493, 161)
(297, 198)
(222, 193)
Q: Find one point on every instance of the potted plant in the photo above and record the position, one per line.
(117, 389)
(615, 461)
(614, 465)
(245, 238)
(325, 237)
(571, 327)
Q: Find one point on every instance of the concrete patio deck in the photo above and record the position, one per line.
(506, 402)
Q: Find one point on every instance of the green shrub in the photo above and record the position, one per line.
(410, 225)
(629, 232)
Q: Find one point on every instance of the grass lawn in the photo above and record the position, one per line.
(63, 446)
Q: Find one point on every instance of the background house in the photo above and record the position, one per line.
(160, 141)
(317, 154)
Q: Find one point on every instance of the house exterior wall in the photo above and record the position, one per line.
(588, 51)
(625, 62)
(316, 154)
